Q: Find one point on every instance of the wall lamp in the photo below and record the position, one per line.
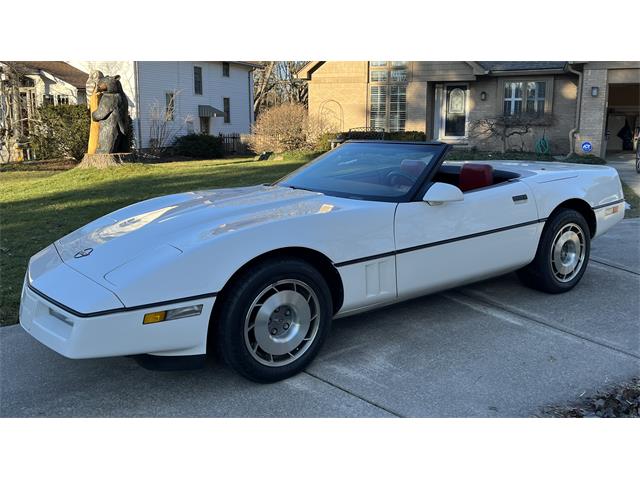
(595, 91)
(483, 96)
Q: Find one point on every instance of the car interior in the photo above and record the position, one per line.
(472, 176)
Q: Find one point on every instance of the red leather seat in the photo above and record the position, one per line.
(475, 175)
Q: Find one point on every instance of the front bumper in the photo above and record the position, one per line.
(54, 305)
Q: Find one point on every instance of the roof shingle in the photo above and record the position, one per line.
(515, 66)
(62, 70)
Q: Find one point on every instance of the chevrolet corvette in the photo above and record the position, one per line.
(258, 273)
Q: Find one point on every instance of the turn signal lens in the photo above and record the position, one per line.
(173, 314)
(154, 317)
(611, 210)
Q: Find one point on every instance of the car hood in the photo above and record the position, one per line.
(159, 226)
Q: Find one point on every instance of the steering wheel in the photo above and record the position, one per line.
(396, 178)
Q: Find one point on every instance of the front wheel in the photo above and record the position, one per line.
(562, 255)
(274, 320)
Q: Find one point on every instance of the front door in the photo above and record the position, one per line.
(452, 114)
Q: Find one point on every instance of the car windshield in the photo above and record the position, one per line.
(383, 171)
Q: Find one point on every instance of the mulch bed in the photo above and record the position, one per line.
(622, 401)
(58, 164)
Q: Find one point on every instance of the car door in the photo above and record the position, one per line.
(492, 231)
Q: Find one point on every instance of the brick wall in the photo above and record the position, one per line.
(338, 94)
(593, 114)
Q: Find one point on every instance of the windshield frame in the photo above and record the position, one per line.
(425, 176)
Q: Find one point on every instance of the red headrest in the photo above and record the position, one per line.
(413, 167)
(475, 175)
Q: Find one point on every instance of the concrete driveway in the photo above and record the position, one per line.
(625, 164)
(492, 349)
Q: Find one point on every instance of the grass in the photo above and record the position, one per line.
(632, 199)
(38, 206)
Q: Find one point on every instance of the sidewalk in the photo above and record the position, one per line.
(625, 164)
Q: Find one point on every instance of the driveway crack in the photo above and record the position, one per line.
(334, 385)
(482, 299)
(617, 267)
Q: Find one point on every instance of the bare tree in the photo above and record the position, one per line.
(162, 124)
(276, 83)
(505, 127)
(14, 118)
(263, 83)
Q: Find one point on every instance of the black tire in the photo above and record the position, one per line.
(233, 339)
(541, 274)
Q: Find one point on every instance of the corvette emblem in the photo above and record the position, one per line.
(83, 253)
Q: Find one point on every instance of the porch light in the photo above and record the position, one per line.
(483, 96)
(595, 91)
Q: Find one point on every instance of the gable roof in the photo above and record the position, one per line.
(305, 72)
(479, 68)
(61, 70)
(521, 66)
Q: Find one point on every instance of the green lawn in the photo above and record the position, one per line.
(38, 207)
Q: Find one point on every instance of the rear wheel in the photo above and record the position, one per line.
(562, 256)
(274, 319)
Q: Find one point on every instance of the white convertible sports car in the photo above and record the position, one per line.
(258, 273)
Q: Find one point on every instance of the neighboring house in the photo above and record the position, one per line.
(575, 102)
(183, 97)
(54, 83)
(51, 83)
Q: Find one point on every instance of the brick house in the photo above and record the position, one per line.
(571, 102)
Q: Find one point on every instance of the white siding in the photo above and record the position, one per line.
(158, 78)
(124, 69)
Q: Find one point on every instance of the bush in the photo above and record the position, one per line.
(199, 145)
(323, 142)
(284, 128)
(61, 131)
(411, 136)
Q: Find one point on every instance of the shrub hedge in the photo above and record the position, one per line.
(199, 145)
(61, 131)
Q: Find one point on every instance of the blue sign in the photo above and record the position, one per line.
(587, 147)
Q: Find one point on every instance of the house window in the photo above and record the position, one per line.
(535, 97)
(47, 99)
(170, 106)
(204, 125)
(378, 117)
(225, 69)
(62, 99)
(388, 95)
(227, 110)
(397, 107)
(524, 97)
(197, 80)
(378, 76)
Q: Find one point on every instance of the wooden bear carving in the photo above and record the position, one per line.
(112, 114)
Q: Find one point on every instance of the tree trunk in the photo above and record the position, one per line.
(105, 160)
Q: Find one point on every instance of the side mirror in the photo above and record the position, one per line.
(440, 193)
